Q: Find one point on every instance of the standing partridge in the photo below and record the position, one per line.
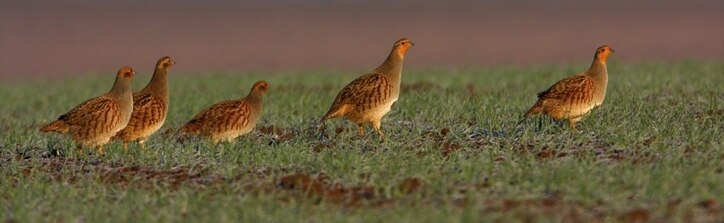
(574, 97)
(150, 106)
(227, 120)
(368, 98)
(95, 121)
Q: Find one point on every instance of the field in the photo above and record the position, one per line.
(652, 152)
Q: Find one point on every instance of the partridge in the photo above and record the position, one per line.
(95, 121)
(368, 98)
(150, 106)
(227, 120)
(574, 97)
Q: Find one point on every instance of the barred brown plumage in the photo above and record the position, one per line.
(574, 97)
(95, 121)
(368, 98)
(150, 106)
(227, 120)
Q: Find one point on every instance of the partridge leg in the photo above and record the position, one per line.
(377, 125)
(142, 143)
(572, 124)
(100, 150)
(361, 130)
(125, 146)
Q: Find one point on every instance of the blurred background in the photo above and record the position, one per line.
(44, 38)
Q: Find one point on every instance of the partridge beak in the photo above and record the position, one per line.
(412, 44)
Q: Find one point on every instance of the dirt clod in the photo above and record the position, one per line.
(410, 185)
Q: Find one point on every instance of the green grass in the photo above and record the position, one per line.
(652, 151)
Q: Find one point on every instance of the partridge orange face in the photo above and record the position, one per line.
(165, 62)
(603, 52)
(126, 72)
(402, 45)
(261, 86)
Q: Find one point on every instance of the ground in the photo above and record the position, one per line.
(652, 152)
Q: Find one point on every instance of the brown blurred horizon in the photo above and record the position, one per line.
(44, 38)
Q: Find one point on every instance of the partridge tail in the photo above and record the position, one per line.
(327, 116)
(335, 111)
(56, 126)
(119, 135)
(190, 129)
(537, 108)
